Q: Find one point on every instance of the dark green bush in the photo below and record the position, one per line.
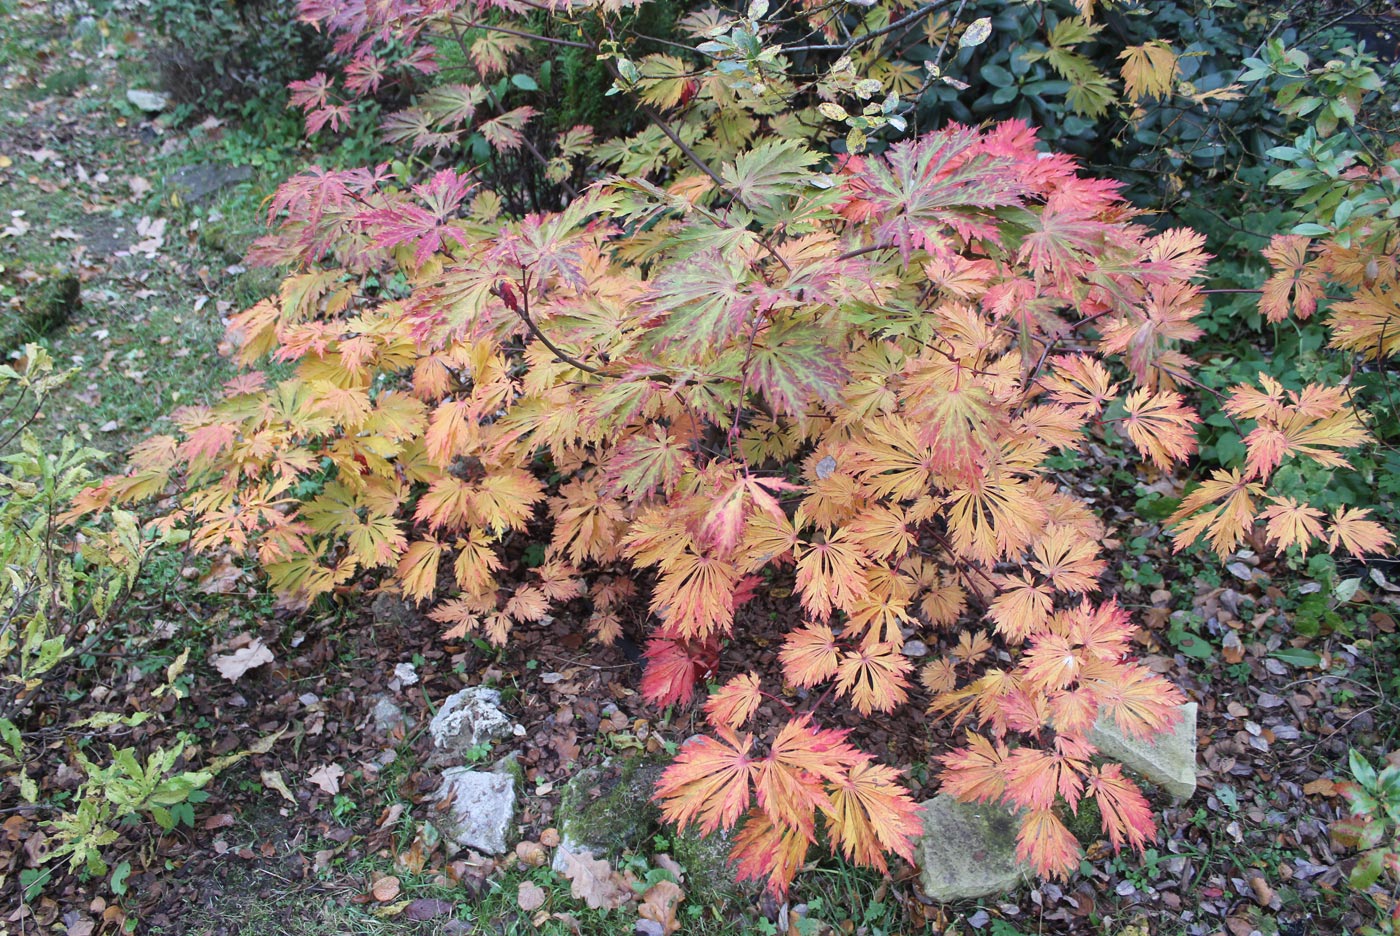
(232, 57)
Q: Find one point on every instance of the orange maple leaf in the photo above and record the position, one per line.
(695, 595)
(709, 782)
(417, 571)
(810, 655)
(1359, 536)
(1225, 523)
(976, 773)
(1069, 560)
(1296, 283)
(1292, 524)
(789, 782)
(766, 851)
(1053, 661)
(874, 677)
(1046, 845)
(831, 576)
(1080, 382)
(1021, 607)
(1124, 810)
(870, 814)
(734, 703)
(1161, 425)
(1142, 703)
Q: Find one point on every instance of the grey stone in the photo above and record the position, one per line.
(607, 811)
(388, 716)
(482, 810)
(391, 610)
(968, 850)
(152, 102)
(467, 719)
(1168, 760)
(202, 180)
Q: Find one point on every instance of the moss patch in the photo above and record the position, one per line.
(609, 811)
(709, 878)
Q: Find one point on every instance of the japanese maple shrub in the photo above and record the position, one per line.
(746, 359)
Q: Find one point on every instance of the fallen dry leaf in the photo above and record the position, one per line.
(530, 896)
(272, 779)
(426, 908)
(1263, 893)
(222, 578)
(327, 778)
(660, 903)
(385, 888)
(595, 882)
(1239, 925)
(232, 666)
(1231, 648)
(1320, 787)
(667, 863)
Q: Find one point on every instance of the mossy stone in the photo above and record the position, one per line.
(510, 766)
(1087, 823)
(609, 810)
(968, 850)
(709, 877)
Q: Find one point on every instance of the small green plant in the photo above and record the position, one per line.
(1373, 828)
(61, 592)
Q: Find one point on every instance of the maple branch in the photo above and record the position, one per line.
(743, 392)
(522, 309)
(864, 38)
(862, 251)
(695, 158)
(947, 546)
(10, 412)
(943, 46)
(528, 35)
(1055, 340)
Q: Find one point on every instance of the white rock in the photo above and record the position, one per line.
(482, 810)
(467, 719)
(152, 102)
(387, 715)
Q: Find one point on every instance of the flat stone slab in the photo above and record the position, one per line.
(152, 102)
(1168, 760)
(202, 180)
(968, 850)
(482, 810)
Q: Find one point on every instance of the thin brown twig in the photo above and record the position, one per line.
(522, 309)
